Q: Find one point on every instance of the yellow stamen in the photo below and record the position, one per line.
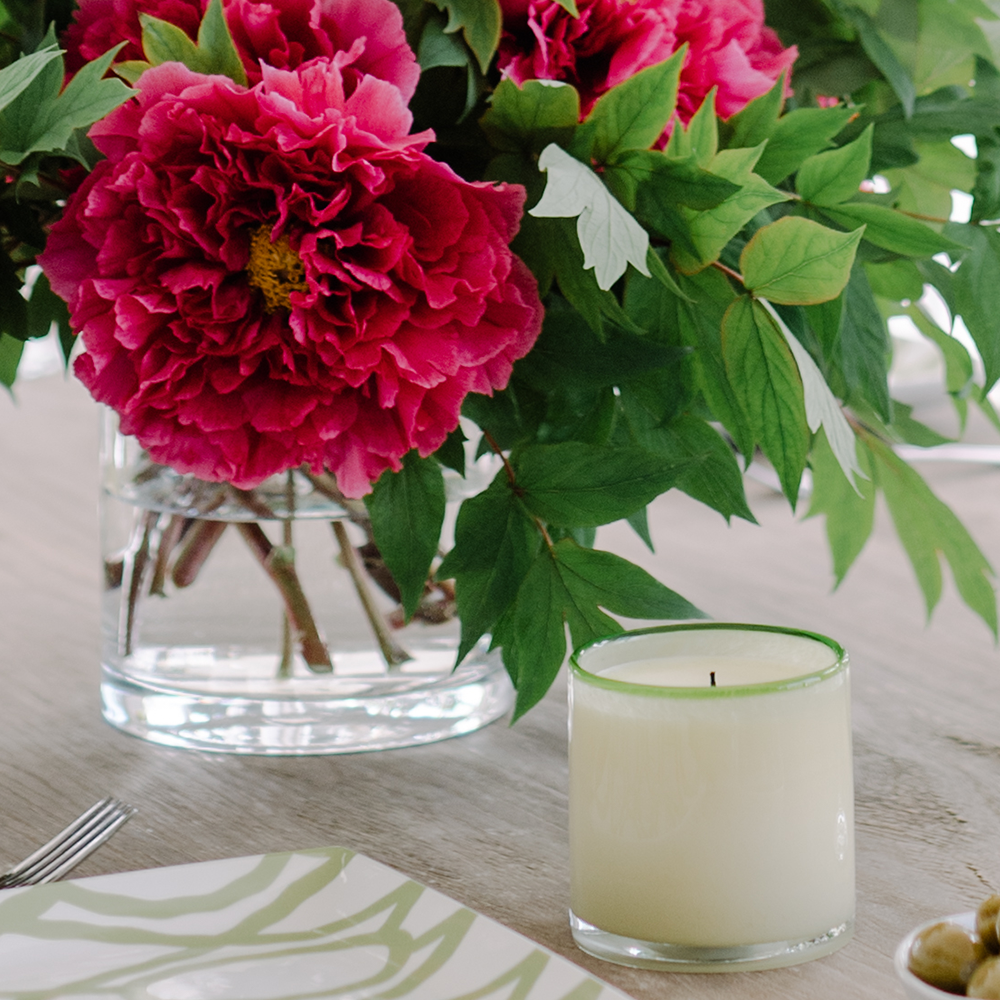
(275, 268)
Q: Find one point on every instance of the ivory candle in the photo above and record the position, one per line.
(711, 826)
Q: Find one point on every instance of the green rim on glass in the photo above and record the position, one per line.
(728, 691)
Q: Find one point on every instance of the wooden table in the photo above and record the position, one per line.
(483, 818)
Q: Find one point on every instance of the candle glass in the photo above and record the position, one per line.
(711, 798)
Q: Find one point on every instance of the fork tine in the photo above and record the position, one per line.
(71, 846)
(84, 848)
(46, 849)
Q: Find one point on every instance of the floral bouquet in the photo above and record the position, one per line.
(632, 244)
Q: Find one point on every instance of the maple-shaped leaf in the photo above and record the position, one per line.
(610, 237)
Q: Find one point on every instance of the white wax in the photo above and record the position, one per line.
(697, 671)
(712, 818)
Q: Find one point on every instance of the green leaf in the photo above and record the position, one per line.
(835, 176)
(986, 192)
(452, 453)
(795, 261)
(895, 279)
(415, 14)
(618, 586)
(985, 405)
(214, 52)
(568, 356)
(913, 431)
(949, 35)
(764, 375)
(567, 585)
(864, 344)
(407, 513)
(46, 308)
(942, 278)
(656, 186)
(660, 179)
(479, 22)
(584, 537)
(924, 188)
(883, 57)
(511, 417)
(976, 287)
(439, 48)
(41, 119)
(495, 544)
(702, 132)
(80, 148)
(701, 137)
(700, 323)
(711, 230)
(579, 485)
(17, 77)
(757, 121)
(217, 46)
(534, 643)
(850, 513)
(797, 136)
(530, 117)
(711, 474)
(823, 320)
(130, 70)
(610, 238)
(957, 362)
(928, 529)
(10, 356)
(946, 112)
(13, 308)
(639, 523)
(822, 408)
(551, 249)
(662, 274)
(891, 230)
(633, 114)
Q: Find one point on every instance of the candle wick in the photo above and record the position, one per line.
(712, 675)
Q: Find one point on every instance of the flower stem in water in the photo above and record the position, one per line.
(138, 565)
(392, 652)
(287, 638)
(169, 538)
(279, 562)
(201, 539)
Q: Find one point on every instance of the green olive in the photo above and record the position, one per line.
(945, 955)
(985, 981)
(986, 922)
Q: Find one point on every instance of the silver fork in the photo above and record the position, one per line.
(67, 849)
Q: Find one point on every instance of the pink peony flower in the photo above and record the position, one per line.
(730, 48)
(611, 40)
(282, 33)
(278, 275)
(99, 25)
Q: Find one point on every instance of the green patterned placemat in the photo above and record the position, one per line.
(307, 925)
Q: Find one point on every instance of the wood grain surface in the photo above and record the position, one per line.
(483, 817)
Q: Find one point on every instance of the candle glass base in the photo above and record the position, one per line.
(688, 958)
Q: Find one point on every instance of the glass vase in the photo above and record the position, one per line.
(263, 621)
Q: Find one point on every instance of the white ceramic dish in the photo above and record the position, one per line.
(917, 989)
(319, 924)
